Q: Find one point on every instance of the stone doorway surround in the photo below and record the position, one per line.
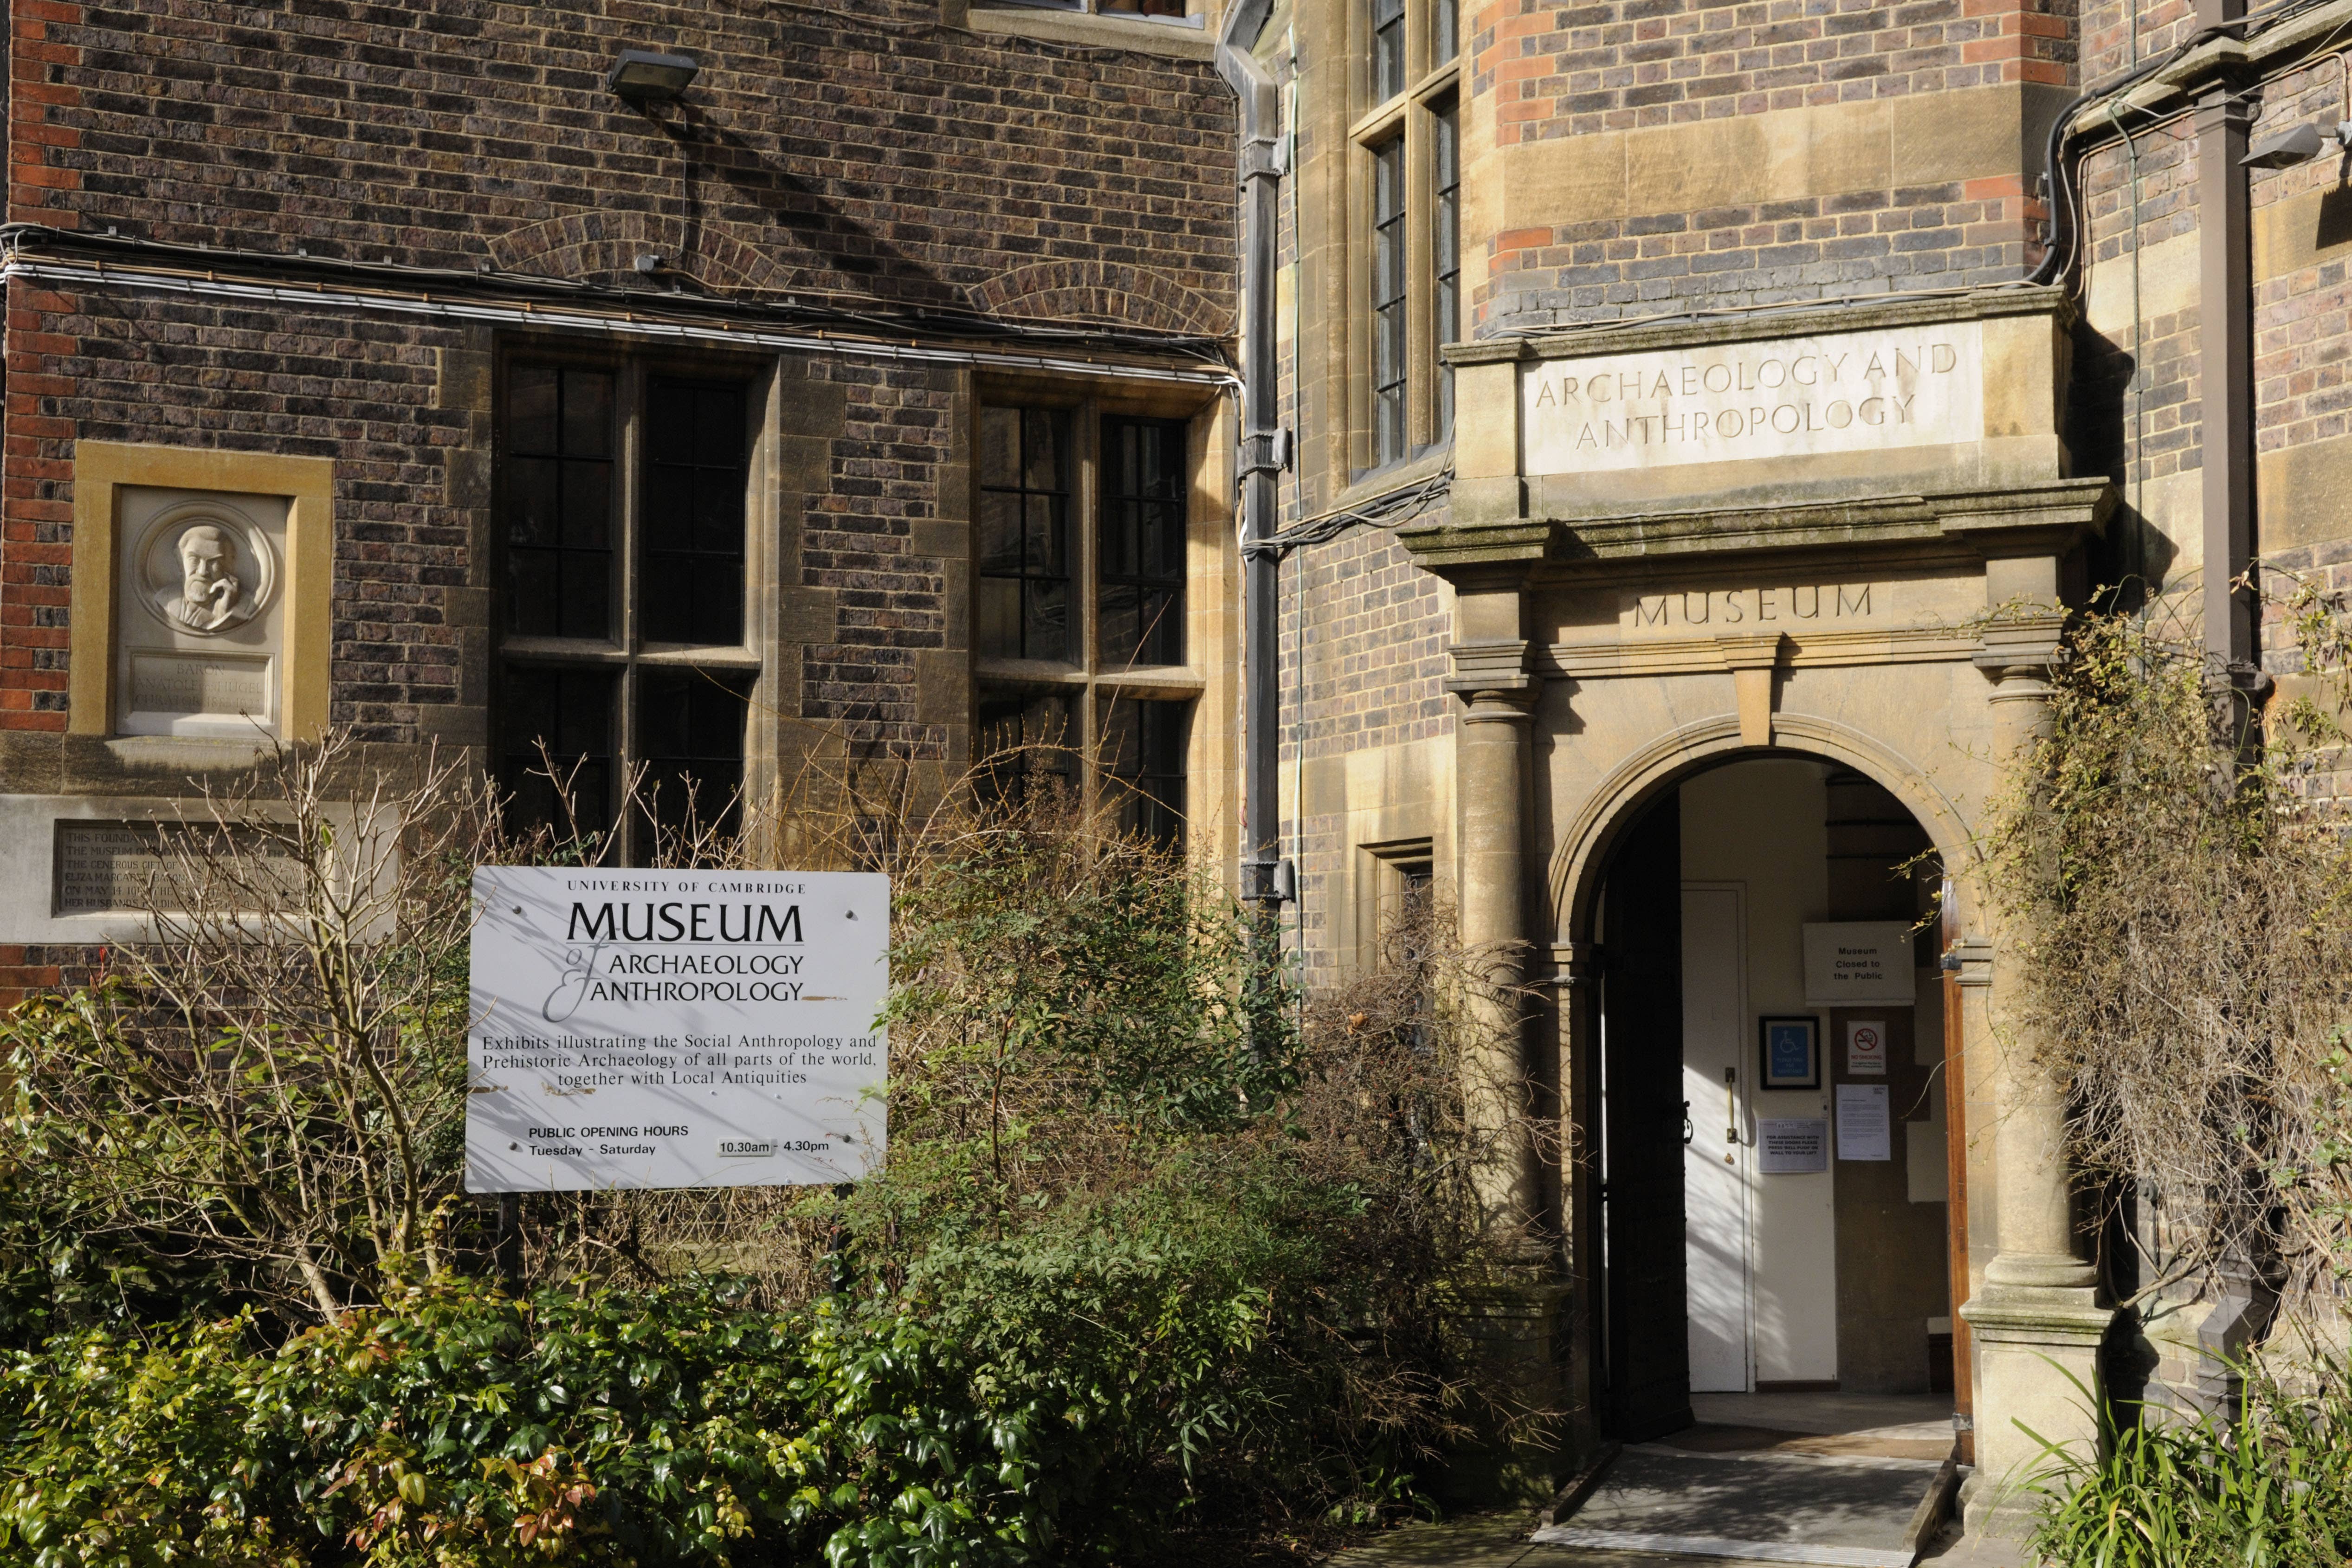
(1884, 590)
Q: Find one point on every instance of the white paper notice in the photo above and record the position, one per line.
(1791, 1146)
(1857, 963)
(1863, 1130)
(675, 1028)
(1866, 1047)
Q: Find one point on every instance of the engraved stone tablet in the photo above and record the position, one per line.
(200, 615)
(105, 866)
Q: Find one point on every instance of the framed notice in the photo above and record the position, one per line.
(1792, 1052)
(670, 1029)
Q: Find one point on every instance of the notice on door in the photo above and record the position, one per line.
(1863, 1130)
(1856, 963)
(675, 1028)
(1866, 1047)
(1792, 1146)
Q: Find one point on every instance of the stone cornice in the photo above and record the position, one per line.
(2038, 519)
(1803, 321)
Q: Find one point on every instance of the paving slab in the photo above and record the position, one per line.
(1768, 1507)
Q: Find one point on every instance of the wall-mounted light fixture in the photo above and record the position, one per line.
(2300, 145)
(648, 76)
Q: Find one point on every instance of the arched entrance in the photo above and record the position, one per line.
(1767, 1171)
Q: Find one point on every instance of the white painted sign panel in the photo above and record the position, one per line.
(1856, 963)
(1791, 1146)
(1866, 1047)
(652, 1029)
(1784, 397)
(1863, 1131)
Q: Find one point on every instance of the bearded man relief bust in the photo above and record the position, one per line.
(212, 597)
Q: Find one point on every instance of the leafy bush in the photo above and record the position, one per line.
(2271, 1489)
(1154, 1246)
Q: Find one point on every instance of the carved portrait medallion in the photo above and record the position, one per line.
(204, 567)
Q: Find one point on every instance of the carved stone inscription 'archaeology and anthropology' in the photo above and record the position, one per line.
(1788, 397)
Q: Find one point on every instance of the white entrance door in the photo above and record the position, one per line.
(1714, 1173)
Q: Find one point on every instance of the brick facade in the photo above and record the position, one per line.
(317, 229)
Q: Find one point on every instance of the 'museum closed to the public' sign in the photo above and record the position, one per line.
(675, 1028)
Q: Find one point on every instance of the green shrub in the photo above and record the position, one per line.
(2270, 1488)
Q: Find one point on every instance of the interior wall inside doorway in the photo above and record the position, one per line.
(1846, 1269)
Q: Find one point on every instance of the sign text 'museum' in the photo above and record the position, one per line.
(1791, 397)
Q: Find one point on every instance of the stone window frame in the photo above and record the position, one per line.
(101, 470)
(1411, 116)
(752, 661)
(1088, 684)
(1386, 871)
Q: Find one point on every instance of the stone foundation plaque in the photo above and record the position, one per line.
(106, 867)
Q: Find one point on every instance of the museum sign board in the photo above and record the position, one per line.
(658, 1029)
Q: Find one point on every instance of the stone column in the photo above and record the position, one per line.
(2037, 1321)
(1517, 1312)
(1490, 762)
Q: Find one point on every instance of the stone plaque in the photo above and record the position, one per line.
(219, 686)
(1787, 397)
(200, 614)
(111, 866)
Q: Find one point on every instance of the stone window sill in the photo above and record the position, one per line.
(1178, 42)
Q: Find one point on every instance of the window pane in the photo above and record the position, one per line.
(690, 738)
(696, 474)
(1023, 555)
(1140, 554)
(1022, 751)
(1445, 251)
(571, 712)
(1143, 752)
(1445, 30)
(1388, 302)
(1388, 48)
(557, 493)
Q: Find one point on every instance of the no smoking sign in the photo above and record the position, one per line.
(1865, 1048)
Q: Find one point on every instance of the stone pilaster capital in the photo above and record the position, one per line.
(1969, 961)
(1492, 679)
(1573, 964)
(2017, 652)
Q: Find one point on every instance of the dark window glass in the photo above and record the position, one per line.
(559, 502)
(1388, 49)
(1446, 250)
(1143, 751)
(1024, 505)
(1388, 301)
(690, 735)
(1141, 608)
(1445, 30)
(695, 480)
(571, 712)
(1024, 747)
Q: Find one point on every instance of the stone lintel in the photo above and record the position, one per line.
(2050, 518)
(1822, 320)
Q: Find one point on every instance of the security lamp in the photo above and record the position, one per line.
(2300, 145)
(646, 75)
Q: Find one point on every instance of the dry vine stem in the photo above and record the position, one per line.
(2183, 901)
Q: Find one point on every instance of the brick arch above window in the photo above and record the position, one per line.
(1102, 291)
(603, 247)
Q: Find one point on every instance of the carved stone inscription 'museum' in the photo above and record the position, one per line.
(1788, 397)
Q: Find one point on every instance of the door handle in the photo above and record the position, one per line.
(1689, 1133)
(1730, 1113)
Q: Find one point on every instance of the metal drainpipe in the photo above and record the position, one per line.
(2226, 354)
(1261, 436)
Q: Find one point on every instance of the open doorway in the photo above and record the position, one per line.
(1770, 1107)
